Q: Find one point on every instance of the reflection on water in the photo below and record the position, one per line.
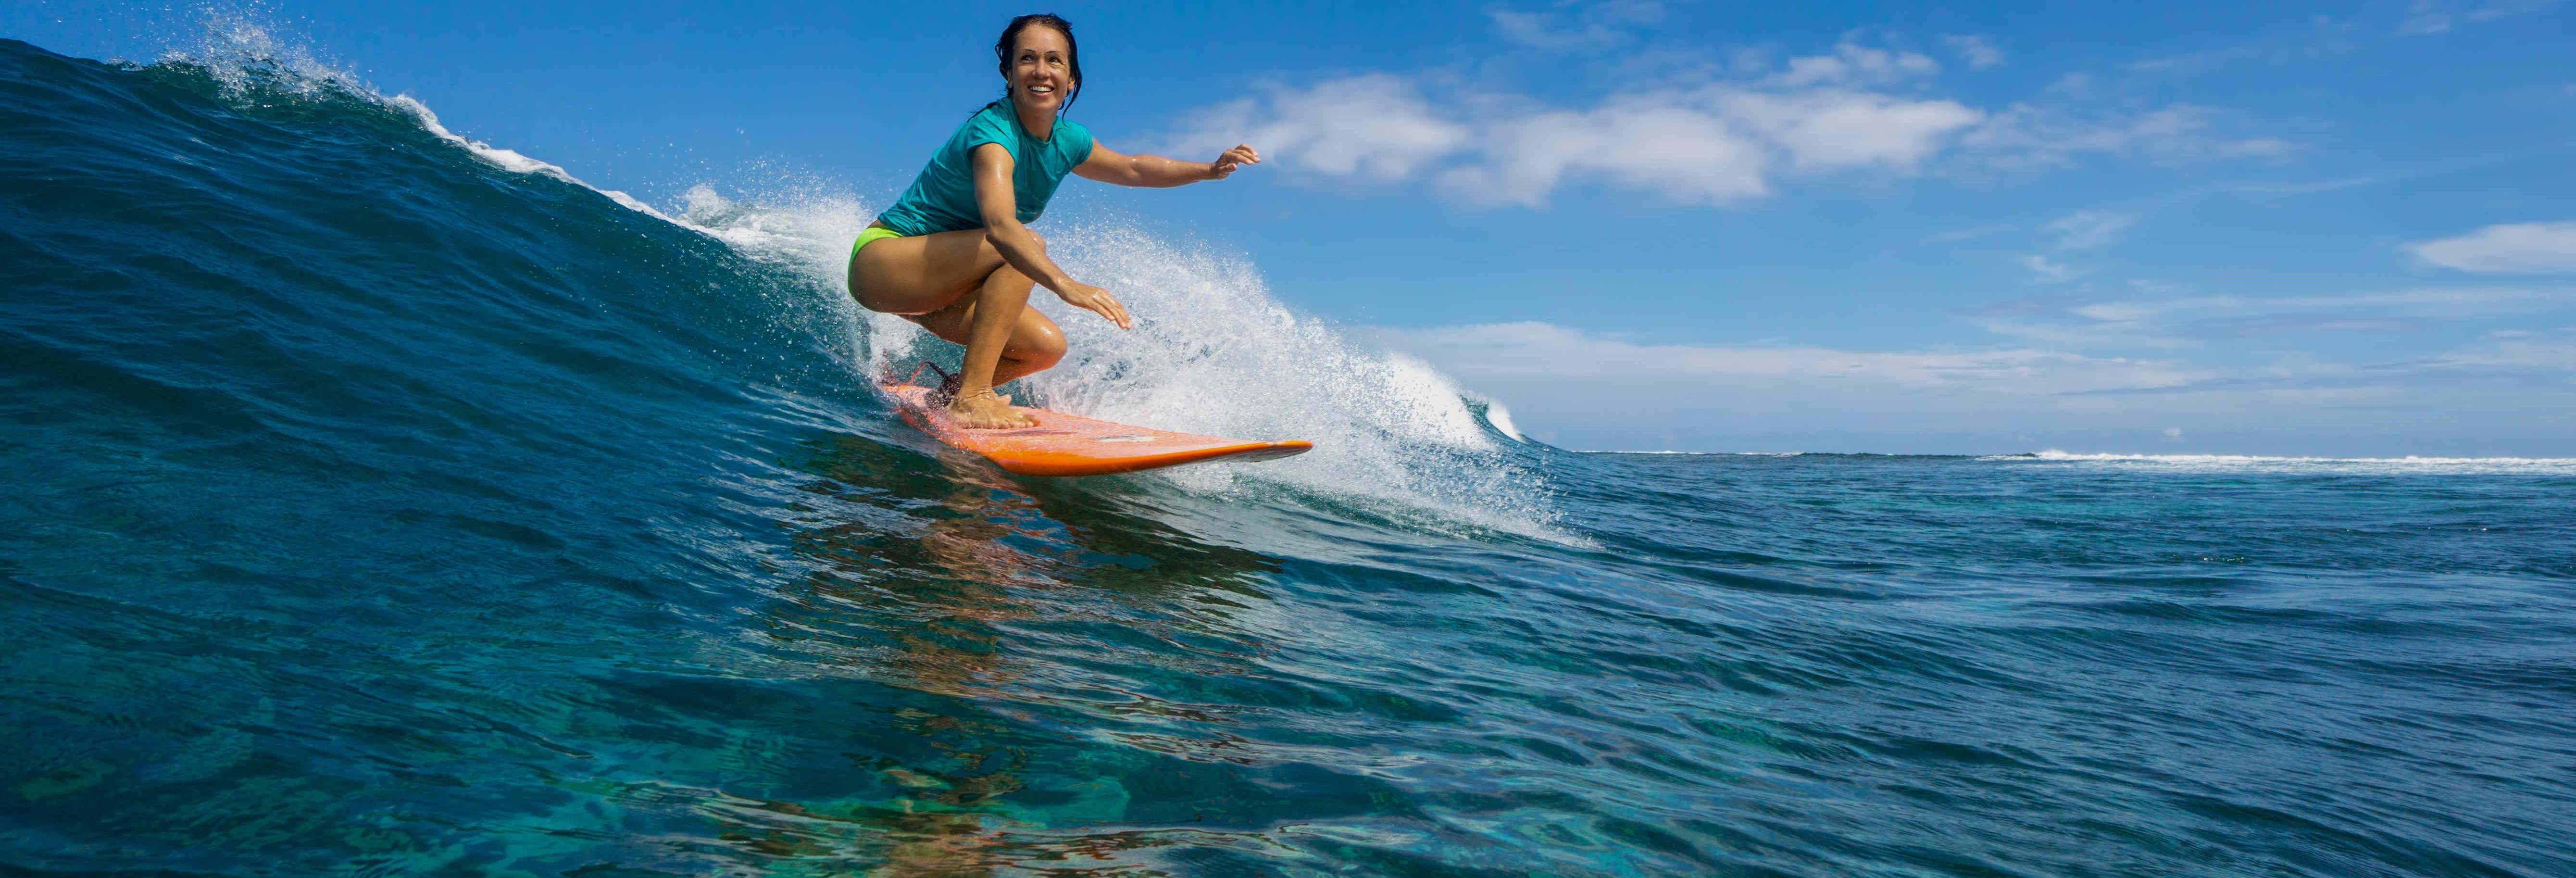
(956, 582)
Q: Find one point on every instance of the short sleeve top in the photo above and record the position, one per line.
(942, 198)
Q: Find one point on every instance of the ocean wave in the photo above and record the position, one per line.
(1213, 353)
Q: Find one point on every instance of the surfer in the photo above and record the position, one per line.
(955, 253)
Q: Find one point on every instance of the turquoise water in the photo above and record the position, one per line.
(386, 503)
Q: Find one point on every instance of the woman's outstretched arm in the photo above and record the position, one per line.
(1111, 166)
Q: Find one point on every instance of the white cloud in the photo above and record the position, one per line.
(1376, 126)
(2188, 320)
(2047, 271)
(2511, 248)
(1533, 348)
(2429, 17)
(2087, 229)
(1539, 30)
(2431, 302)
(1831, 128)
(1852, 63)
(1709, 143)
(1685, 154)
(2028, 136)
(1976, 50)
(2553, 350)
(1590, 26)
(1855, 108)
(2424, 18)
(2088, 335)
(2195, 61)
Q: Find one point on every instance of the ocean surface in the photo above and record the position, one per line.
(385, 503)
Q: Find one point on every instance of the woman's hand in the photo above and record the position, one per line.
(1097, 301)
(1224, 165)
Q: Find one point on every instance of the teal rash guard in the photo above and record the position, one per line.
(942, 199)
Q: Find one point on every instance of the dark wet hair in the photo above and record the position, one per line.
(1072, 53)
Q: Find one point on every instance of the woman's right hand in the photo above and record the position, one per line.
(1098, 301)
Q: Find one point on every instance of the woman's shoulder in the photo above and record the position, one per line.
(992, 124)
(1075, 138)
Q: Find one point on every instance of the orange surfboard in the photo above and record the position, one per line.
(1072, 445)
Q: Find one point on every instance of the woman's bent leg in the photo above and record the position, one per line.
(996, 312)
(921, 273)
(958, 286)
(1036, 344)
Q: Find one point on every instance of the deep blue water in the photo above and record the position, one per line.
(382, 503)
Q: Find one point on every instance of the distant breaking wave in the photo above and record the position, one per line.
(2535, 465)
(2547, 466)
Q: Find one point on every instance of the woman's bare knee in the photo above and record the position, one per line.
(1037, 341)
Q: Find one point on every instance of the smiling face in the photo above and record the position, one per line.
(1039, 71)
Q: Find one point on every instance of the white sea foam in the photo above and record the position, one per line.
(1212, 353)
(1501, 418)
(243, 56)
(511, 160)
(2392, 465)
(805, 228)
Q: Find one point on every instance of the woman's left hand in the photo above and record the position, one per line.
(1096, 300)
(1225, 164)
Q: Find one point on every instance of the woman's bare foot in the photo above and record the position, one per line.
(983, 410)
(946, 392)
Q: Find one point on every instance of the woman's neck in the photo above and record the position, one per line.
(1038, 123)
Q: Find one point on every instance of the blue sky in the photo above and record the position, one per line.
(2236, 228)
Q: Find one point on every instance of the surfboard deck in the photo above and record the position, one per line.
(1072, 445)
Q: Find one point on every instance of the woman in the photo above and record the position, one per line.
(955, 254)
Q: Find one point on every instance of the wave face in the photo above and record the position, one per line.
(385, 501)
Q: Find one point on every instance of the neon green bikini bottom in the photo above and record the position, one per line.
(873, 233)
